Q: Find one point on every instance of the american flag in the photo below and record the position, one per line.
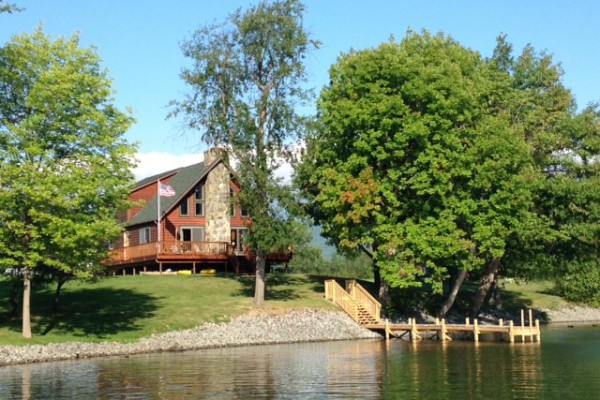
(166, 190)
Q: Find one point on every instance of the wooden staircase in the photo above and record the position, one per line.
(355, 301)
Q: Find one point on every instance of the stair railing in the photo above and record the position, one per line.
(364, 298)
(335, 293)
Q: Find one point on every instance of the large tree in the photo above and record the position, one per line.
(411, 161)
(246, 86)
(65, 165)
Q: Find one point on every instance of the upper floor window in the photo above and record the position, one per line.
(231, 203)
(245, 212)
(145, 235)
(184, 209)
(199, 200)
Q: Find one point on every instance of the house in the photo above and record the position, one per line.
(201, 227)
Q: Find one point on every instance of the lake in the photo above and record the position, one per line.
(566, 365)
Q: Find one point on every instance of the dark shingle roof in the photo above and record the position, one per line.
(182, 182)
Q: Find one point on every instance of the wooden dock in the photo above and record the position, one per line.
(364, 309)
(508, 332)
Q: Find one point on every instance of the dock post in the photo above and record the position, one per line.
(414, 334)
(522, 325)
(530, 326)
(445, 336)
(467, 321)
(387, 330)
(537, 329)
(475, 331)
(511, 331)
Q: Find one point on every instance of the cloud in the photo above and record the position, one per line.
(155, 162)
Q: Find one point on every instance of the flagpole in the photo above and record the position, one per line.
(158, 211)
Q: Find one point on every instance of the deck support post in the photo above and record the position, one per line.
(160, 268)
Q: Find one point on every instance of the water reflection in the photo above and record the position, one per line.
(565, 365)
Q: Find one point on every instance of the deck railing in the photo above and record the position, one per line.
(364, 298)
(335, 293)
(156, 249)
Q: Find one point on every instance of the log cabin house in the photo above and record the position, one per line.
(200, 227)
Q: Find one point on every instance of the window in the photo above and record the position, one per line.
(192, 234)
(238, 239)
(231, 203)
(145, 235)
(199, 200)
(245, 212)
(184, 210)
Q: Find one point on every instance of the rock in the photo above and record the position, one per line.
(262, 328)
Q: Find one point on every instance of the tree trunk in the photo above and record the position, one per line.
(260, 284)
(61, 281)
(496, 293)
(26, 303)
(447, 305)
(383, 296)
(377, 277)
(484, 286)
(383, 288)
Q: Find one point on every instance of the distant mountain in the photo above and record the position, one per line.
(320, 241)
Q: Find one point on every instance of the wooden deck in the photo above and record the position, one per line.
(365, 310)
(181, 251)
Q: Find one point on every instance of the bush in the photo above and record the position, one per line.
(581, 282)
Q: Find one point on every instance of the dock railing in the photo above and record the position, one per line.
(336, 294)
(364, 298)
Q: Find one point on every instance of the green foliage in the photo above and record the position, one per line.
(580, 282)
(8, 7)
(245, 85)
(65, 164)
(441, 161)
(410, 159)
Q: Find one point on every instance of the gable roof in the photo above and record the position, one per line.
(184, 180)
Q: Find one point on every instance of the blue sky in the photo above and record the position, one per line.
(139, 40)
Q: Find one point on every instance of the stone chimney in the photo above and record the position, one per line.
(213, 154)
(216, 195)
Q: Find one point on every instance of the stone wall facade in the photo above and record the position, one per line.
(217, 198)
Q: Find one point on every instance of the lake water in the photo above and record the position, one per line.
(566, 365)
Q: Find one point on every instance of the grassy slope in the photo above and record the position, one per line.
(126, 308)
(532, 294)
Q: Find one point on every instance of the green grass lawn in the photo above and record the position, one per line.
(531, 294)
(126, 308)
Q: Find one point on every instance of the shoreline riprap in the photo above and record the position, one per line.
(258, 329)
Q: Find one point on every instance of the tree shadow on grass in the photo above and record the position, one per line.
(98, 312)
(280, 286)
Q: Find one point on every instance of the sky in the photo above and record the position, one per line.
(139, 43)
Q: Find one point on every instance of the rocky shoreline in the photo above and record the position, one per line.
(258, 328)
(253, 329)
